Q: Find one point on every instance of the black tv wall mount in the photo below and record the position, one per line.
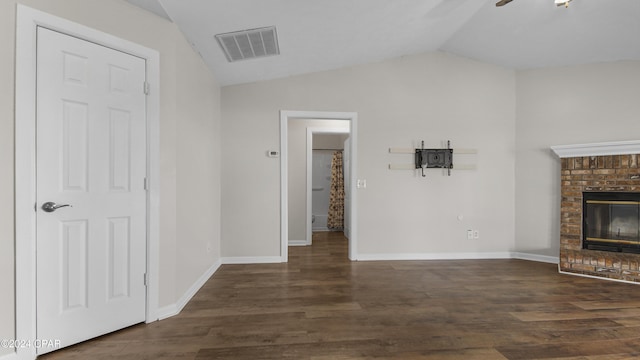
(434, 158)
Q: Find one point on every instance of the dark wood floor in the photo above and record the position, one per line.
(321, 306)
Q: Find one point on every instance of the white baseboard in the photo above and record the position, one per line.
(434, 256)
(252, 260)
(168, 311)
(460, 256)
(298, 243)
(175, 309)
(11, 356)
(536, 257)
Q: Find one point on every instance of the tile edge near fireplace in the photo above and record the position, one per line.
(612, 167)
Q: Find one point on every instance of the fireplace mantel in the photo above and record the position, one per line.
(598, 149)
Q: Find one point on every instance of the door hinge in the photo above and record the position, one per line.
(146, 88)
(146, 184)
(145, 279)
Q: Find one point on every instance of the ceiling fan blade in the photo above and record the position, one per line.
(564, 3)
(503, 2)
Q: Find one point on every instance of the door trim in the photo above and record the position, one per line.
(27, 21)
(309, 211)
(285, 116)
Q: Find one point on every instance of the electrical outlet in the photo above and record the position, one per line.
(469, 234)
(476, 234)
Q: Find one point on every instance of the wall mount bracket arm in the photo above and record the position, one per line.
(433, 158)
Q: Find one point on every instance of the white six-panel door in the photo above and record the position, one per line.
(91, 155)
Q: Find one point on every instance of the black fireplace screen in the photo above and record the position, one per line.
(611, 221)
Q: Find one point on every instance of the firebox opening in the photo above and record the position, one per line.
(611, 221)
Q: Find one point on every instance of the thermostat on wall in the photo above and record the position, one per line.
(273, 153)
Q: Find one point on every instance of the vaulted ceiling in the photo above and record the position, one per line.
(316, 35)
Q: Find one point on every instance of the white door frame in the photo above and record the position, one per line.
(310, 132)
(285, 116)
(27, 21)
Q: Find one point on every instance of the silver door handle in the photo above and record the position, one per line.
(51, 206)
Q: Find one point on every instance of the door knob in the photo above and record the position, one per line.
(51, 206)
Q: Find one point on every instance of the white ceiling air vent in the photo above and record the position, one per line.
(249, 44)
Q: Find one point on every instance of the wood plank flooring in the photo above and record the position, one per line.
(322, 306)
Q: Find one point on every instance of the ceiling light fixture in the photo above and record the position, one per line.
(503, 2)
(562, 2)
(557, 2)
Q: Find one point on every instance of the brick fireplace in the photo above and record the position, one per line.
(595, 168)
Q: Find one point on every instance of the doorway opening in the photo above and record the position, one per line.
(327, 211)
(297, 117)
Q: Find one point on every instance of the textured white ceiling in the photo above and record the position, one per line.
(318, 35)
(534, 33)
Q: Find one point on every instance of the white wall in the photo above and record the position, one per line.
(434, 97)
(562, 106)
(331, 141)
(346, 164)
(198, 163)
(189, 126)
(321, 188)
(7, 295)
